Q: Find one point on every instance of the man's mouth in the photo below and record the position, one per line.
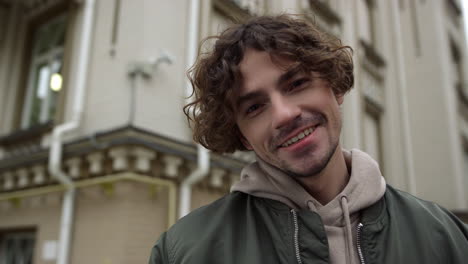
(300, 136)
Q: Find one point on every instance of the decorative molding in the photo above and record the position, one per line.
(372, 55)
(24, 141)
(323, 9)
(143, 159)
(172, 165)
(126, 149)
(253, 7)
(34, 7)
(119, 157)
(372, 90)
(39, 174)
(23, 178)
(95, 161)
(240, 10)
(8, 181)
(73, 165)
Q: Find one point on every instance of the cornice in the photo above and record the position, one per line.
(124, 149)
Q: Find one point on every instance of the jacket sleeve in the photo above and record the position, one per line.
(159, 253)
(457, 238)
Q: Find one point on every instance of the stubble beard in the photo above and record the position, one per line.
(316, 169)
(319, 165)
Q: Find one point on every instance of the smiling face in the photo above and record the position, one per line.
(291, 120)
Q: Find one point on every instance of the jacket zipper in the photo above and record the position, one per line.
(358, 242)
(296, 237)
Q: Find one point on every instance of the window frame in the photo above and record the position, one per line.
(17, 234)
(32, 24)
(34, 64)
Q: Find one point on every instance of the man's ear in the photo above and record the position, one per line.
(245, 142)
(339, 98)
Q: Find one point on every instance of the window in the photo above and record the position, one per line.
(17, 248)
(372, 135)
(369, 22)
(372, 21)
(371, 82)
(45, 73)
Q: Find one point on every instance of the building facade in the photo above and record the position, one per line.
(96, 158)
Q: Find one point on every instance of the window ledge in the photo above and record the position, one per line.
(32, 134)
(232, 10)
(372, 55)
(324, 10)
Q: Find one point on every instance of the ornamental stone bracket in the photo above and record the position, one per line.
(127, 150)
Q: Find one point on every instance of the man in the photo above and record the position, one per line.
(274, 85)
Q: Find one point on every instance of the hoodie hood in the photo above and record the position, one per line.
(365, 187)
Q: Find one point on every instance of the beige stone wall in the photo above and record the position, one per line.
(119, 227)
(204, 196)
(40, 213)
(145, 29)
(116, 224)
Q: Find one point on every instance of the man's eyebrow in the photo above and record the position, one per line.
(246, 97)
(281, 80)
(288, 75)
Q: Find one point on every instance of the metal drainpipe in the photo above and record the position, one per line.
(203, 157)
(202, 170)
(55, 156)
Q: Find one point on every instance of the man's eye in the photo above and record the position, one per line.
(252, 108)
(298, 83)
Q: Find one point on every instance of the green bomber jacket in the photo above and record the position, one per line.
(241, 228)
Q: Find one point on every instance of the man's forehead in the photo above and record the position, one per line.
(253, 58)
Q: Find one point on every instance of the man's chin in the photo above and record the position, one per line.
(307, 167)
(307, 172)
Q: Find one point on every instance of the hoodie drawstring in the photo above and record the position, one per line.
(348, 232)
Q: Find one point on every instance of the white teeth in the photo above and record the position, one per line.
(300, 136)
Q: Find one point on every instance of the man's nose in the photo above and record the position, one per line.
(284, 111)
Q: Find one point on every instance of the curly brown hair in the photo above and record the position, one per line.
(215, 75)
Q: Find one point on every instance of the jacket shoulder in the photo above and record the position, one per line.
(425, 219)
(418, 207)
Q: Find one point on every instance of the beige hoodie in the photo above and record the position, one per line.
(340, 216)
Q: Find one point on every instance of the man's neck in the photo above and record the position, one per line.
(330, 181)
